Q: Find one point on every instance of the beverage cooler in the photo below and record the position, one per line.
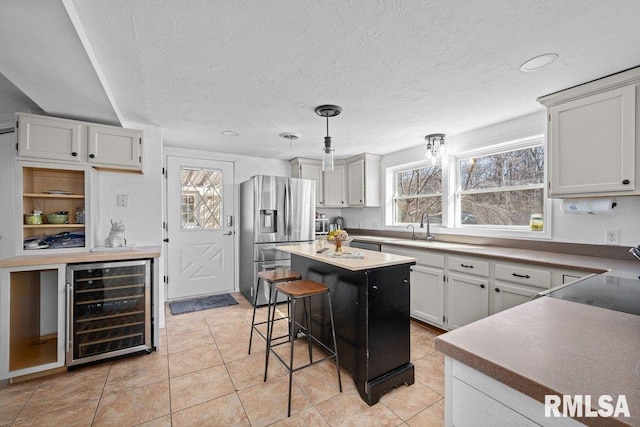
(109, 307)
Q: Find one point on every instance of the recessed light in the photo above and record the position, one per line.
(538, 62)
(230, 133)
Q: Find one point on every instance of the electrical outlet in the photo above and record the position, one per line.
(360, 225)
(123, 200)
(612, 237)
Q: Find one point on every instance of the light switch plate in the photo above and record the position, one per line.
(123, 200)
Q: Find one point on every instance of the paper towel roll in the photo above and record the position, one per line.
(599, 206)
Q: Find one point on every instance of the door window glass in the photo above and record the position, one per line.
(201, 206)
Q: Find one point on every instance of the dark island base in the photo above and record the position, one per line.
(372, 320)
(373, 390)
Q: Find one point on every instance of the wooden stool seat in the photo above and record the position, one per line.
(280, 275)
(302, 288)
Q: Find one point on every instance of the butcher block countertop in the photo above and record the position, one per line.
(372, 259)
(141, 252)
(552, 346)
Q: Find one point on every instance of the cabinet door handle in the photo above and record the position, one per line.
(466, 266)
(526, 276)
(482, 285)
(497, 289)
(93, 156)
(626, 182)
(74, 154)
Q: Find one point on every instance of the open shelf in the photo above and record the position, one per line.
(69, 185)
(54, 196)
(32, 296)
(54, 226)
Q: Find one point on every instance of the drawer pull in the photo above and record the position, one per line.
(526, 276)
(466, 266)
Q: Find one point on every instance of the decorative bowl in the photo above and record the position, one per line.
(33, 219)
(57, 218)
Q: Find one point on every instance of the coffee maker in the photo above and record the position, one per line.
(339, 221)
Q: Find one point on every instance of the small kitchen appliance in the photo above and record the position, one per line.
(339, 221)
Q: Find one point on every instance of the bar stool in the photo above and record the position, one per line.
(270, 277)
(295, 290)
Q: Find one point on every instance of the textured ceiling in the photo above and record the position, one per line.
(399, 69)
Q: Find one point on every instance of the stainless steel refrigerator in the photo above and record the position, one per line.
(274, 211)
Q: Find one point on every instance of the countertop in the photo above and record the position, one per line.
(140, 252)
(372, 259)
(552, 346)
(623, 268)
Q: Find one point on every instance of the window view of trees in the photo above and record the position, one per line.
(418, 192)
(201, 199)
(503, 188)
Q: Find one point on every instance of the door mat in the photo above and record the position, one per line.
(201, 303)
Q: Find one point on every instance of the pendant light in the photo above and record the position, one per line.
(327, 152)
(435, 146)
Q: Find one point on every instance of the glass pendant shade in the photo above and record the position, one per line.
(327, 111)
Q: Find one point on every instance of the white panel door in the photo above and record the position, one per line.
(200, 227)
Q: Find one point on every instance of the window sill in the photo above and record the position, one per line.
(479, 231)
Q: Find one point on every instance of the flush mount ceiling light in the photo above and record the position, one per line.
(538, 62)
(230, 133)
(435, 146)
(327, 152)
(290, 136)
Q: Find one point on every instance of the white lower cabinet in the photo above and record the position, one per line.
(450, 291)
(516, 284)
(468, 299)
(427, 294)
(475, 399)
(506, 295)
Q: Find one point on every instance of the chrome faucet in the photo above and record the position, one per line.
(413, 231)
(428, 235)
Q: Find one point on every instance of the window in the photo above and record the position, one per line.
(417, 191)
(201, 207)
(502, 187)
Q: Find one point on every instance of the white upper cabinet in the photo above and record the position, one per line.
(310, 169)
(48, 138)
(111, 146)
(335, 186)
(364, 180)
(592, 138)
(71, 141)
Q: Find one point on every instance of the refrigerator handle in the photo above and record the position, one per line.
(68, 318)
(286, 209)
(289, 210)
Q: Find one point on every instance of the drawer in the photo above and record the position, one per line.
(469, 266)
(526, 275)
(429, 259)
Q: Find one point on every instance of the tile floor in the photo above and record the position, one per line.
(202, 375)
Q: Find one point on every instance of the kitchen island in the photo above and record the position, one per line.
(370, 298)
